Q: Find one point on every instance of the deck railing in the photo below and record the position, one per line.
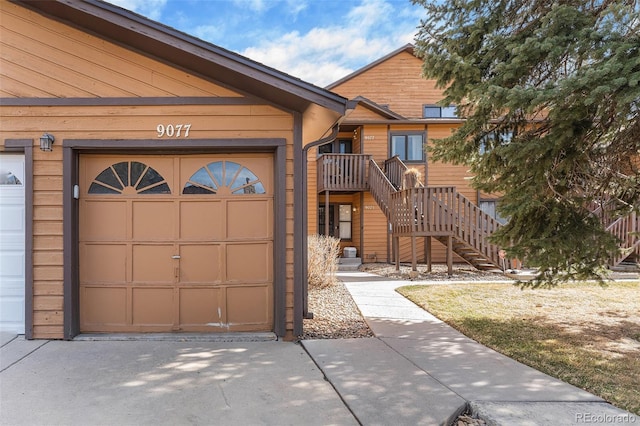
(343, 172)
(440, 211)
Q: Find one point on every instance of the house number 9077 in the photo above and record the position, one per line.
(173, 130)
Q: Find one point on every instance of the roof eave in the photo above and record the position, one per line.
(175, 47)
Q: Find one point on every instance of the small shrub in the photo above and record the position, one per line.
(412, 178)
(323, 260)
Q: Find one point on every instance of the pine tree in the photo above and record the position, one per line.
(551, 96)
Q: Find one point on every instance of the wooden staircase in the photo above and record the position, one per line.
(439, 212)
(443, 213)
(625, 228)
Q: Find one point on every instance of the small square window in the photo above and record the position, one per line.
(449, 112)
(432, 112)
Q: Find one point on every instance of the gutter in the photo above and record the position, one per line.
(305, 220)
(335, 128)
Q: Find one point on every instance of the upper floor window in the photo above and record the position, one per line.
(435, 111)
(408, 146)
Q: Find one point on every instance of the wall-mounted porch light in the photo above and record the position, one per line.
(46, 142)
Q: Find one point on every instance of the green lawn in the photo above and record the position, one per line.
(582, 333)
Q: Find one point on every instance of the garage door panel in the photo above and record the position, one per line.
(201, 220)
(248, 305)
(103, 306)
(249, 219)
(12, 312)
(12, 219)
(153, 264)
(249, 262)
(153, 220)
(104, 263)
(12, 266)
(153, 306)
(103, 220)
(201, 306)
(178, 260)
(200, 263)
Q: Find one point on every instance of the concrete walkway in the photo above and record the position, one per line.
(156, 382)
(418, 370)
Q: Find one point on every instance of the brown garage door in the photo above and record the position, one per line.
(176, 243)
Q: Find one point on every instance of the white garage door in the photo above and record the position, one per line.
(12, 234)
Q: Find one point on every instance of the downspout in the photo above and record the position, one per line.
(305, 219)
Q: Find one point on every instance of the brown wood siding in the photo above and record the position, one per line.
(396, 82)
(43, 58)
(48, 59)
(444, 174)
(119, 123)
(374, 141)
(375, 231)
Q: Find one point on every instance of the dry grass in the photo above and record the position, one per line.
(323, 252)
(582, 333)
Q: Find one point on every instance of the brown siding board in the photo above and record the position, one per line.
(65, 52)
(47, 331)
(397, 82)
(48, 258)
(47, 273)
(47, 303)
(48, 288)
(48, 317)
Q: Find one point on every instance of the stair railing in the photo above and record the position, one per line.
(626, 229)
(394, 169)
(380, 187)
(444, 211)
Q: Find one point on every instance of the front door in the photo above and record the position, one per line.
(176, 243)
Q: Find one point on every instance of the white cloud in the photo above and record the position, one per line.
(149, 8)
(370, 13)
(324, 55)
(253, 5)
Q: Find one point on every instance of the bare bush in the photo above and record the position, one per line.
(323, 260)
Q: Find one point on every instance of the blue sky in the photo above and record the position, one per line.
(319, 41)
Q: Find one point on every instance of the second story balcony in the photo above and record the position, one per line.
(343, 172)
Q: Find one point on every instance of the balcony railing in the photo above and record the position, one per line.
(343, 172)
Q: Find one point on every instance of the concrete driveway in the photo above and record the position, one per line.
(164, 383)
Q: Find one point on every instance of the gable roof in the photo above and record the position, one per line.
(409, 48)
(170, 45)
(384, 112)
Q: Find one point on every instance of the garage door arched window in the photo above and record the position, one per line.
(223, 177)
(129, 177)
